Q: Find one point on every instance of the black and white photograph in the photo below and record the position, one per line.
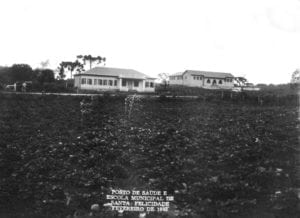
(149, 109)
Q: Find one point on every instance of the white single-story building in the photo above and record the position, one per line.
(113, 79)
(204, 79)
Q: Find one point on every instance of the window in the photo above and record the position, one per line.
(220, 81)
(208, 81)
(105, 82)
(110, 82)
(123, 82)
(100, 82)
(151, 84)
(95, 81)
(83, 81)
(214, 82)
(147, 84)
(90, 81)
(197, 78)
(115, 82)
(136, 83)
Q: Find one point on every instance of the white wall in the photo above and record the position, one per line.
(141, 87)
(77, 81)
(188, 80)
(94, 86)
(149, 89)
(176, 81)
(129, 84)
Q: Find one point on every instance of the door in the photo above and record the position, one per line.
(130, 85)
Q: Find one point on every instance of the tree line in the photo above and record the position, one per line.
(24, 72)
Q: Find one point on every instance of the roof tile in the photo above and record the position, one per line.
(116, 72)
(205, 73)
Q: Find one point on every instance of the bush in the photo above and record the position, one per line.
(55, 87)
(285, 94)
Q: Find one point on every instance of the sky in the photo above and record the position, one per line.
(258, 39)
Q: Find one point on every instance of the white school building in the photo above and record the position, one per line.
(114, 79)
(204, 79)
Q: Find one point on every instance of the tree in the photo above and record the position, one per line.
(45, 64)
(45, 75)
(164, 79)
(21, 72)
(69, 66)
(4, 76)
(91, 59)
(241, 81)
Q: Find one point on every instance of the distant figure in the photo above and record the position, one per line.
(24, 87)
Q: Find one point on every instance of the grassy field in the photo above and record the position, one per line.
(59, 154)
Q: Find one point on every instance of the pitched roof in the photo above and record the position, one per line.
(116, 72)
(205, 73)
(177, 74)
